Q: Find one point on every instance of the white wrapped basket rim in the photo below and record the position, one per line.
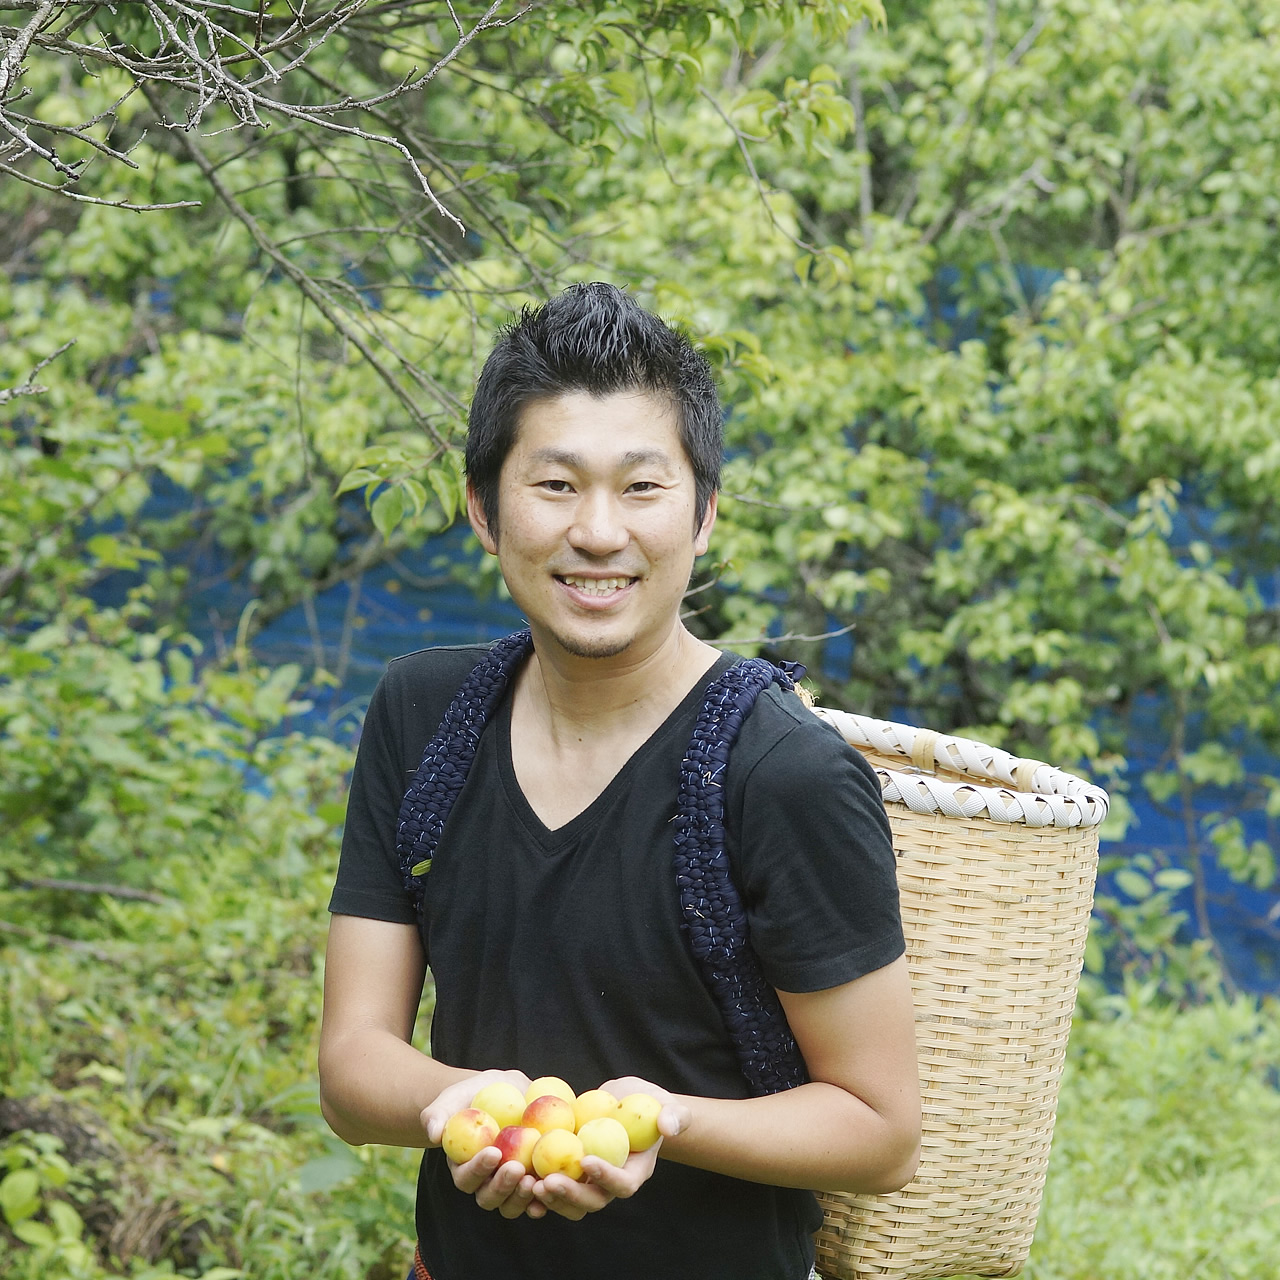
(1008, 788)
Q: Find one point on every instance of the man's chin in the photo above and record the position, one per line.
(588, 646)
(601, 648)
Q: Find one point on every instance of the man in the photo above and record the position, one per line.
(550, 919)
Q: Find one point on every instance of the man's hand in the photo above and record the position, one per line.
(606, 1182)
(504, 1187)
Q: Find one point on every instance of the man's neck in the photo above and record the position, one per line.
(575, 700)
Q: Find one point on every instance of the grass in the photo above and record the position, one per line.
(160, 1105)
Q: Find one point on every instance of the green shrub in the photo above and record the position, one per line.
(1165, 1162)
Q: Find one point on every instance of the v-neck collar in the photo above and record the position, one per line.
(552, 840)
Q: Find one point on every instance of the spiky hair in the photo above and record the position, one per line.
(596, 338)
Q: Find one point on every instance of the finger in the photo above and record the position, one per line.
(472, 1175)
(674, 1118)
(496, 1190)
(623, 1085)
(621, 1181)
(569, 1199)
(433, 1121)
(616, 1183)
(521, 1201)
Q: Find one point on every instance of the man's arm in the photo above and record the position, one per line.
(374, 1085)
(854, 1127)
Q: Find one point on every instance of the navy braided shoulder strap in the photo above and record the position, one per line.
(713, 914)
(447, 760)
(711, 907)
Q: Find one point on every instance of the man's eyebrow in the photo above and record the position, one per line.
(549, 453)
(632, 458)
(646, 458)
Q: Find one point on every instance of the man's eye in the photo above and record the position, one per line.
(557, 486)
(641, 486)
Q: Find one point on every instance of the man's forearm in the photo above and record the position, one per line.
(374, 1086)
(817, 1136)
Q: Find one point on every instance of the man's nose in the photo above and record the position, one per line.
(598, 527)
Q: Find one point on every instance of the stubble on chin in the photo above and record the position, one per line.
(601, 648)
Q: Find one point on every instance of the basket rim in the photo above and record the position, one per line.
(1025, 791)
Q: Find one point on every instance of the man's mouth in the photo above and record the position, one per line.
(594, 586)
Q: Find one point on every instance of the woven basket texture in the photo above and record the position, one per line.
(996, 864)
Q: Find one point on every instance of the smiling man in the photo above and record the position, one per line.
(551, 921)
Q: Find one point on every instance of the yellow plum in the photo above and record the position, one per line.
(593, 1103)
(502, 1100)
(638, 1113)
(558, 1151)
(467, 1133)
(552, 1085)
(605, 1137)
(548, 1112)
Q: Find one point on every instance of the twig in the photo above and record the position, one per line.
(84, 199)
(789, 638)
(91, 886)
(697, 591)
(741, 139)
(57, 940)
(1014, 55)
(350, 615)
(773, 506)
(865, 194)
(29, 387)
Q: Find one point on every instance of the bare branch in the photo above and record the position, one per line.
(203, 47)
(11, 63)
(865, 194)
(741, 138)
(28, 386)
(789, 638)
(56, 940)
(81, 198)
(94, 887)
(308, 286)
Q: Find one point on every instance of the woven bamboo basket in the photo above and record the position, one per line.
(996, 864)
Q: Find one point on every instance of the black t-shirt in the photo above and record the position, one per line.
(561, 953)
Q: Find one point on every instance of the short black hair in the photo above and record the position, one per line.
(596, 338)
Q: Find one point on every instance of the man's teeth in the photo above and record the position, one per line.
(596, 586)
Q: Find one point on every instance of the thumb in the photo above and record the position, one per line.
(433, 1123)
(673, 1119)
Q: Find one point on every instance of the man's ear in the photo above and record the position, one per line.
(480, 522)
(702, 538)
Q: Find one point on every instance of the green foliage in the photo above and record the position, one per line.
(36, 1173)
(992, 292)
(1159, 1163)
(168, 1039)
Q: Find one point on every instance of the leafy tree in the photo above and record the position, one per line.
(992, 293)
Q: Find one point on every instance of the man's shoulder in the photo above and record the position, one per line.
(795, 746)
(431, 667)
(416, 689)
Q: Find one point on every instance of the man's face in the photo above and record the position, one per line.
(596, 502)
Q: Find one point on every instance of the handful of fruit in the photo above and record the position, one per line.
(549, 1128)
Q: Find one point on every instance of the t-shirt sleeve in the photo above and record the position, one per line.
(368, 882)
(818, 872)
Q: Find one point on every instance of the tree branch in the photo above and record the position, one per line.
(94, 887)
(304, 282)
(28, 386)
(865, 193)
